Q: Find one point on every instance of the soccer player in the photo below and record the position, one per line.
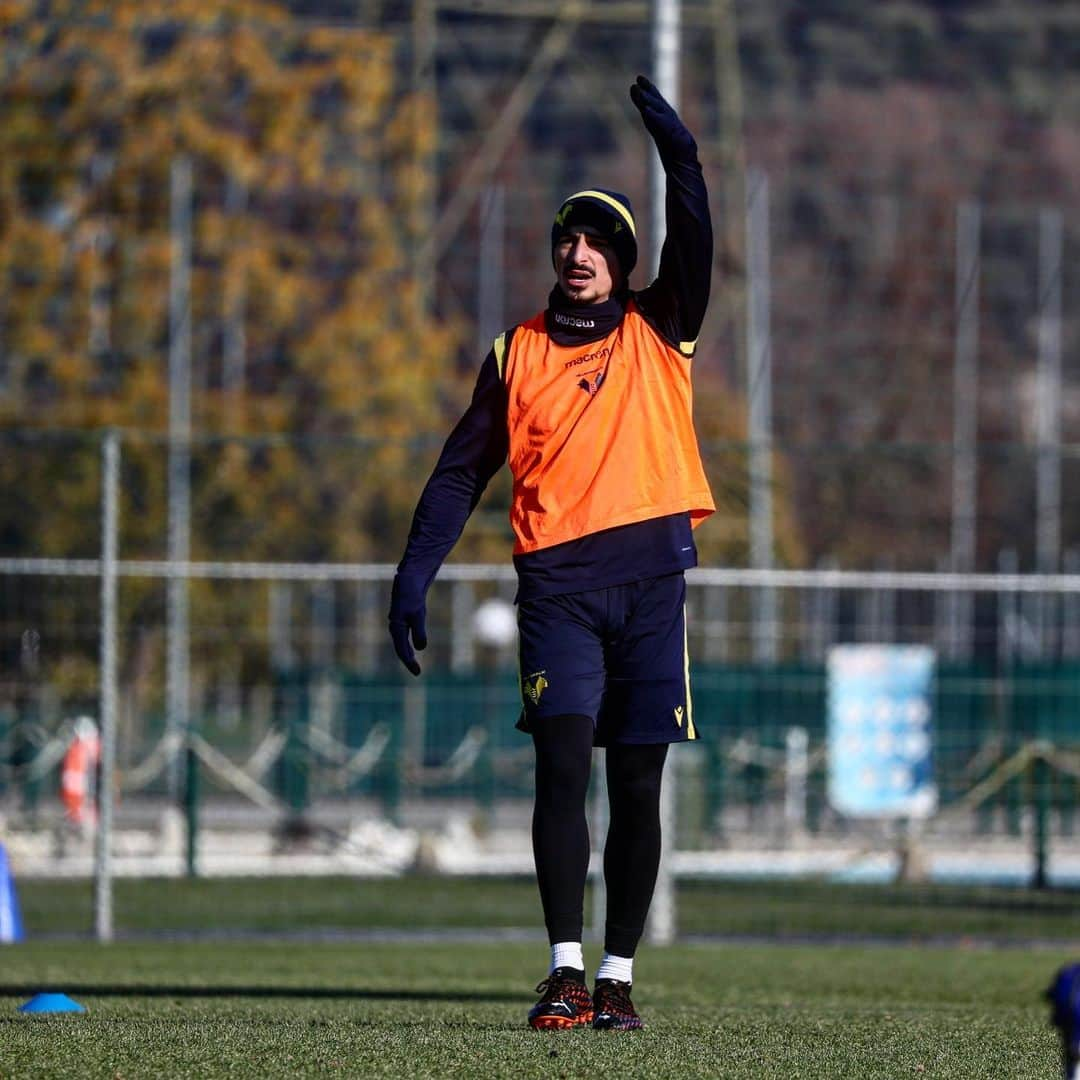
(590, 401)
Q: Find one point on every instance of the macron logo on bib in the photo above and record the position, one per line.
(575, 321)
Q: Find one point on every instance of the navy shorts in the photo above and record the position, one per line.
(617, 655)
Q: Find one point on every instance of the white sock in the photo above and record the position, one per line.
(616, 967)
(567, 954)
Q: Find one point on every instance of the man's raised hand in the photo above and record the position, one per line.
(670, 134)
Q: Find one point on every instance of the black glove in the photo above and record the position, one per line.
(672, 138)
(408, 613)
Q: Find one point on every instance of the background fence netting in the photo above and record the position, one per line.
(294, 742)
(251, 257)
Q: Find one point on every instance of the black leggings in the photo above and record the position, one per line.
(561, 834)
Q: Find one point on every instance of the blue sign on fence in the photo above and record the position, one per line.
(879, 730)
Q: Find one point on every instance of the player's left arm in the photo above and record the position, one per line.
(676, 301)
(474, 452)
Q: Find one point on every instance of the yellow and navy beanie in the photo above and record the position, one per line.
(609, 213)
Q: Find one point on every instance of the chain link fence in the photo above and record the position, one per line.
(296, 735)
(282, 351)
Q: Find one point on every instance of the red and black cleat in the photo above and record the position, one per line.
(614, 1011)
(564, 1002)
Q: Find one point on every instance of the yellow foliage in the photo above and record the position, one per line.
(303, 158)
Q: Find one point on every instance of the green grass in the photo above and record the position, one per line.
(782, 909)
(359, 1009)
(923, 1001)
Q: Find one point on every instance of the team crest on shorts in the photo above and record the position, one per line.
(532, 686)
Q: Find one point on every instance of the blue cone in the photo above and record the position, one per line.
(11, 924)
(52, 1003)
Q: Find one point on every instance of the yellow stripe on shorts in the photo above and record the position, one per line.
(691, 731)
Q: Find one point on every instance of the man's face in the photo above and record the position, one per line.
(586, 266)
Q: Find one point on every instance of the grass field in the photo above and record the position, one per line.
(922, 1001)
(785, 910)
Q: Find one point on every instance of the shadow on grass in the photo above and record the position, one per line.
(158, 990)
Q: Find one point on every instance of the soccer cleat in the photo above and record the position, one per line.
(614, 1011)
(564, 1001)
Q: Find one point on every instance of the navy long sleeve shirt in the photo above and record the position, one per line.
(674, 304)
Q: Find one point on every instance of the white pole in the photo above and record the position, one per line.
(110, 475)
(491, 269)
(1070, 610)
(666, 43)
(1048, 418)
(1048, 518)
(282, 653)
(796, 771)
(665, 46)
(179, 539)
(1009, 638)
(759, 394)
(425, 20)
(965, 422)
(463, 640)
(235, 313)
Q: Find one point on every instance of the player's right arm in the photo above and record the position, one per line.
(676, 301)
(474, 452)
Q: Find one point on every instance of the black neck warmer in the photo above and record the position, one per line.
(574, 324)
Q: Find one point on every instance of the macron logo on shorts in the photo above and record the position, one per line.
(678, 715)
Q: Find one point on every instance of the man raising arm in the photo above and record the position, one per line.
(590, 402)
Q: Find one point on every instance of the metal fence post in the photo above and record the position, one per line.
(1041, 793)
(191, 807)
(178, 659)
(110, 485)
